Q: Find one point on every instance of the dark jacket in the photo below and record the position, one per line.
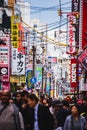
(61, 116)
(27, 116)
(83, 109)
(45, 119)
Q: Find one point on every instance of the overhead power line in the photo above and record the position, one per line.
(41, 9)
(52, 41)
(56, 6)
(58, 26)
(55, 25)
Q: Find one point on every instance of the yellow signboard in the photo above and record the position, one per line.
(23, 79)
(18, 79)
(14, 35)
(15, 19)
(14, 30)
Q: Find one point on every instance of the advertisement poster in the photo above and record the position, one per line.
(38, 74)
(29, 75)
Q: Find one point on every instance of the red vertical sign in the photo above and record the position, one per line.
(84, 23)
(71, 49)
(73, 73)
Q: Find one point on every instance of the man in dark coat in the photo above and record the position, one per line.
(41, 118)
(63, 113)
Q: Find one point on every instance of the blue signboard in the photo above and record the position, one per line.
(33, 80)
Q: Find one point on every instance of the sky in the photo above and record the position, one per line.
(51, 15)
(45, 16)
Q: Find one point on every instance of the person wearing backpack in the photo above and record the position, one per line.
(10, 117)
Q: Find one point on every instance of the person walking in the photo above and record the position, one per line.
(63, 113)
(75, 121)
(83, 107)
(18, 100)
(10, 117)
(41, 118)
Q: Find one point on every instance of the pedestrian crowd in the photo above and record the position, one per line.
(25, 111)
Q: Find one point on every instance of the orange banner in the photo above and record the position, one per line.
(21, 38)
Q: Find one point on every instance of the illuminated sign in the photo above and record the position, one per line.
(73, 73)
(71, 35)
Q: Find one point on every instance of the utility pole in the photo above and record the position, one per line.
(34, 52)
(46, 60)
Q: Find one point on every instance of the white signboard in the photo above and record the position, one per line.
(4, 55)
(18, 62)
(4, 51)
(71, 49)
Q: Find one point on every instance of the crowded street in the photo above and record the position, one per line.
(24, 111)
(43, 65)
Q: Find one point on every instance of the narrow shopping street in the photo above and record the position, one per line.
(43, 65)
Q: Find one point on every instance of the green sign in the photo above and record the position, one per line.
(38, 73)
(29, 76)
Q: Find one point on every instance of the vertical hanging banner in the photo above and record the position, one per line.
(29, 75)
(38, 74)
(18, 62)
(75, 5)
(21, 38)
(71, 49)
(75, 9)
(14, 31)
(73, 73)
(14, 35)
(83, 25)
(48, 87)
